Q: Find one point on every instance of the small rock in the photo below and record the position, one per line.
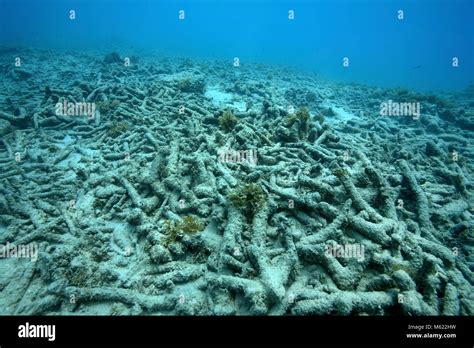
(432, 149)
(447, 115)
(192, 85)
(22, 74)
(112, 58)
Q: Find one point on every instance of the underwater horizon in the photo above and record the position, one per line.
(237, 157)
(383, 50)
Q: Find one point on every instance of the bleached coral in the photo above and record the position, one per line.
(101, 205)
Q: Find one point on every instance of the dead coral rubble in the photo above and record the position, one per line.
(135, 212)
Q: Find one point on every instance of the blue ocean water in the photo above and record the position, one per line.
(415, 52)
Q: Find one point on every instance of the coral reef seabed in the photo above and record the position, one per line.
(133, 213)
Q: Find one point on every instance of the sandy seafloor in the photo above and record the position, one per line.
(133, 211)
